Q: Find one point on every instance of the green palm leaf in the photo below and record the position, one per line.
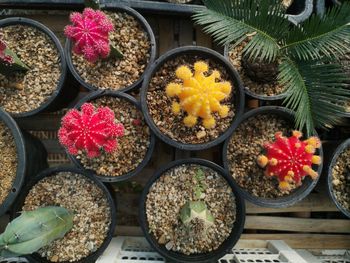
(321, 36)
(317, 92)
(234, 20)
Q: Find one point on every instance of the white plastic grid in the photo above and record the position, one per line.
(137, 250)
(326, 256)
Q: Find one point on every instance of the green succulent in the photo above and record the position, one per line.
(33, 230)
(308, 53)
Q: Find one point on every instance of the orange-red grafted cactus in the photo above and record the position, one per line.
(290, 159)
(90, 130)
(90, 34)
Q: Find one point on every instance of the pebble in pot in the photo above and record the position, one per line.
(339, 178)
(135, 147)
(33, 70)
(116, 52)
(192, 98)
(273, 165)
(191, 211)
(22, 156)
(86, 198)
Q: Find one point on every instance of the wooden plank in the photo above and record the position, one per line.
(312, 203)
(128, 231)
(185, 32)
(319, 241)
(166, 35)
(202, 39)
(41, 122)
(298, 224)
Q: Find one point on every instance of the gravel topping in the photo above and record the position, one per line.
(170, 193)
(172, 125)
(23, 92)
(341, 179)
(132, 147)
(244, 147)
(8, 161)
(268, 89)
(132, 40)
(92, 215)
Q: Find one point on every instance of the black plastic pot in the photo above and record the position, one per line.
(238, 98)
(31, 157)
(121, 8)
(225, 247)
(298, 194)
(65, 90)
(342, 147)
(100, 93)
(53, 171)
(249, 92)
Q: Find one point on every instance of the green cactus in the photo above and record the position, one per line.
(33, 230)
(196, 210)
(200, 185)
(9, 62)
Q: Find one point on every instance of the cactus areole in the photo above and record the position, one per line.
(33, 230)
(90, 35)
(290, 159)
(90, 130)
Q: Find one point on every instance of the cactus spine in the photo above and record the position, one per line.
(33, 230)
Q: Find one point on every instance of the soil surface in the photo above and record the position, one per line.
(172, 125)
(171, 192)
(133, 41)
(132, 147)
(23, 92)
(341, 179)
(8, 161)
(92, 215)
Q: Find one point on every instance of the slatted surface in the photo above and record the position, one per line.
(312, 223)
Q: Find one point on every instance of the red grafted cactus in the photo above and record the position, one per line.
(90, 34)
(290, 159)
(90, 130)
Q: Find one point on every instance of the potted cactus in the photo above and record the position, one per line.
(181, 216)
(33, 70)
(33, 230)
(109, 49)
(22, 155)
(111, 162)
(270, 162)
(192, 98)
(86, 199)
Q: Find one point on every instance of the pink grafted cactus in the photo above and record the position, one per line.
(3, 57)
(89, 33)
(90, 130)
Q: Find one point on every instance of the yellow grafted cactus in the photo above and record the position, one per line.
(199, 96)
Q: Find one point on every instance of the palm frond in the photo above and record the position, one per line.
(232, 21)
(328, 35)
(317, 92)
